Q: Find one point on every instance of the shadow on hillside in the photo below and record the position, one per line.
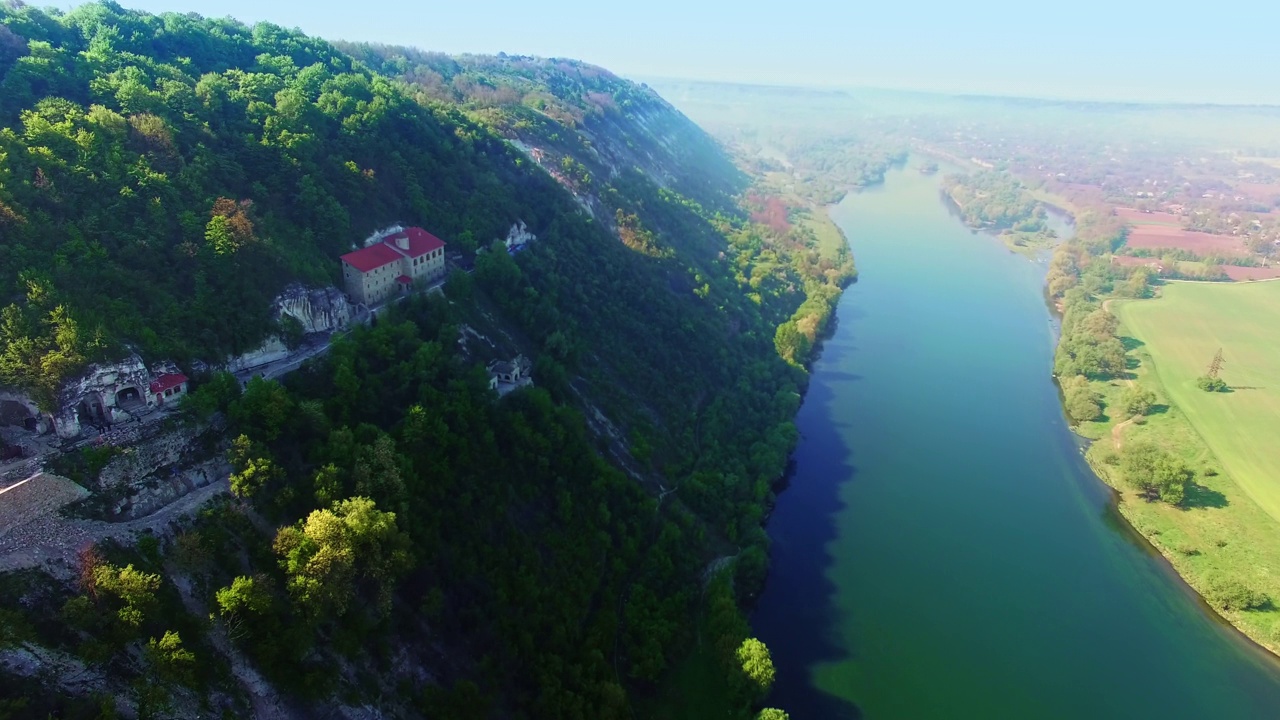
(1199, 496)
(1158, 410)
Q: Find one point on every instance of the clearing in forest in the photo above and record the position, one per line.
(1182, 330)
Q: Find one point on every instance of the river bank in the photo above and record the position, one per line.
(1221, 534)
(920, 567)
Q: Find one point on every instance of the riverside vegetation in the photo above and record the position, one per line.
(1128, 377)
(399, 537)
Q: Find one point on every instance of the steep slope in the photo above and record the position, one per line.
(161, 178)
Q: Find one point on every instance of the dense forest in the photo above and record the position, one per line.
(162, 177)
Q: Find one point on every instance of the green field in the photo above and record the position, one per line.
(1220, 531)
(1182, 330)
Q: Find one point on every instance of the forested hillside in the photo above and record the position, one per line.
(161, 178)
(402, 538)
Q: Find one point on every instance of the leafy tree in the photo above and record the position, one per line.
(1138, 401)
(170, 661)
(1211, 384)
(1155, 472)
(325, 555)
(772, 714)
(251, 467)
(1233, 594)
(243, 602)
(133, 591)
(757, 666)
(263, 409)
(1081, 402)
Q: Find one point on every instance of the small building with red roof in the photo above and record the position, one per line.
(392, 264)
(166, 387)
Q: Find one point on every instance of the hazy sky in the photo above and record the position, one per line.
(1094, 49)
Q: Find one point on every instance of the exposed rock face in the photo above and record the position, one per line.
(519, 235)
(18, 410)
(319, 309)
(154, 472)
(272, 350)
(106, 393)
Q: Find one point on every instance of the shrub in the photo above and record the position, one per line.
(1155, 473)
(1211, 384)
(1138, 401)
(1081, 402)
(1227, 593)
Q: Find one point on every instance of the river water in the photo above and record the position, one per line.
(943, 551)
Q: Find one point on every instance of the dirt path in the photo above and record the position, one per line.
(1117, 432)
(54, 541)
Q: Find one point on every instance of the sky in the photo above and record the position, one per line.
(1123, 50)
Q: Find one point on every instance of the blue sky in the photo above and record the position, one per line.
(1088, 49)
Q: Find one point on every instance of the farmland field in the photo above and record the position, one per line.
(1182, 330)
(1155, 236)
(1138, 217)
(1251, 273)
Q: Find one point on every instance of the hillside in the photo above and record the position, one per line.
(402, 538)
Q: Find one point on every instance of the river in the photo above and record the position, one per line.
(943, 550)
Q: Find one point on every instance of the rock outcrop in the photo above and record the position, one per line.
(519, 236)
(320, 310)
(108, 393)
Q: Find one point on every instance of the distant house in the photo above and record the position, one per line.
(392, 265)
(166, 388)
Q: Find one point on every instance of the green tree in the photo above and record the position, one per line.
(1137, 401)
(251, 467)
(1233, 594)
(171, 662)
(245, 599)
(772, 714)
(325, 555)
(1155, 472)
(757, 666)
(134, 591)
(1211, 384)
(1081, 402)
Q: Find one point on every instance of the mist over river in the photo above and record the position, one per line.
(943, 550)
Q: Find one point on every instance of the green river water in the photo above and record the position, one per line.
(942, 550)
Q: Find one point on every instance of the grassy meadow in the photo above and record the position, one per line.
(1222, 530)
(1182, 330)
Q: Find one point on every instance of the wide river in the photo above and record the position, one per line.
(943, 550)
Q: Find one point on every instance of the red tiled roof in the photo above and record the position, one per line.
(372, 257)
(387, 251)
(166, 381)
(404, 280)
(421, 242)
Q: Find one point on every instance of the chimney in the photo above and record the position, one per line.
(402, 242)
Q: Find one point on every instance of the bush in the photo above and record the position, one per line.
(1227, 593)
(1138, 401)
(1211, 384)
(1081, 402)
(1155, 473)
